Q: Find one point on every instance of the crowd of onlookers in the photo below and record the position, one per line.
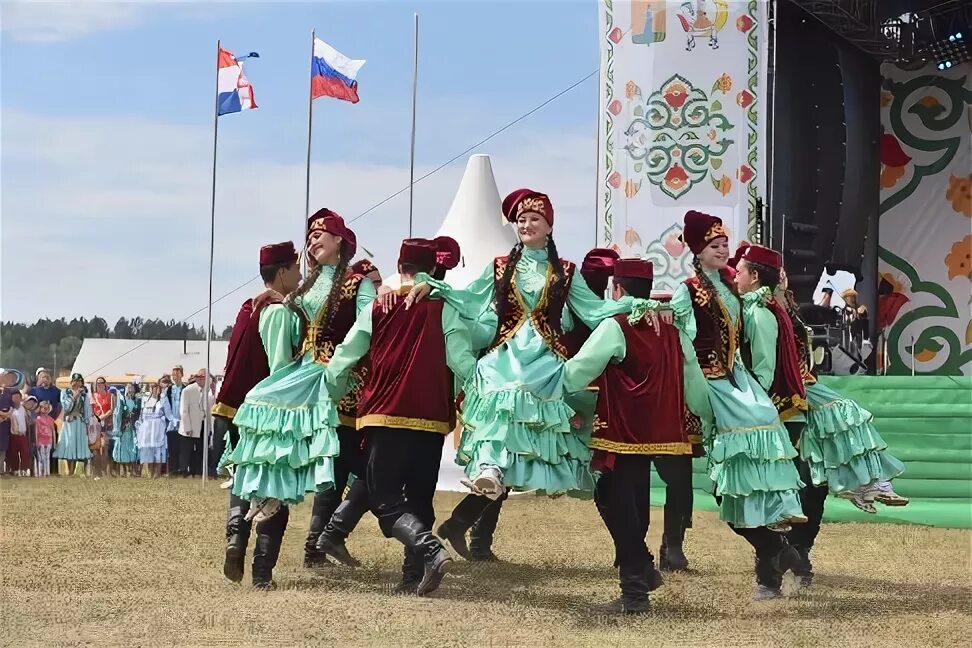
(101, 430)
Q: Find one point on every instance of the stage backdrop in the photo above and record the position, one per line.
(682, 111)
(926, 219)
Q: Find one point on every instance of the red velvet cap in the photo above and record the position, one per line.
(528, 200)
(277, 253)
(701, 229)
(364, 267)
(597, 268)
(418, 252)
(634, 268)
(329, 221)
(763, 255)
(734, 259)
(447, 252)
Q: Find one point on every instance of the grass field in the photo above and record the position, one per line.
(138, 563)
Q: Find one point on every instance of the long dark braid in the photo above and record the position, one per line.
(722, 353)
(330, 306)
(556, 295)
(501, 297)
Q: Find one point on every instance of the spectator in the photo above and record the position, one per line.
(45, 390)
(10, 380)
(44, 434)
(150, 436)
(172, 401)
(127, 410)
(192, 417)
(72, 445)
(102, 407)
(18, 454)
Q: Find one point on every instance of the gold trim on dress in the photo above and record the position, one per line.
(404, 422)
(222, 409)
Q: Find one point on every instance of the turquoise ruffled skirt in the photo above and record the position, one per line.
(288, 435)
(841, 446)
(125, 451)
(72, 444)
(515, 419)
(750, 455)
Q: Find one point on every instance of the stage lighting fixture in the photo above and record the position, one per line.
(951, 51)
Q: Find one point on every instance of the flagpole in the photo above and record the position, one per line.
(310, 116)
(204, 434)
(411, 170)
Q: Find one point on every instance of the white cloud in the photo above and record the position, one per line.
(96, 200)
(40, 21)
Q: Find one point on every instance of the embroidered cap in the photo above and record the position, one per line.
(447, 252)
(701, 229)
(364, 267)
(522, 201)
(278, 253)
(764, 256)
(329, 221)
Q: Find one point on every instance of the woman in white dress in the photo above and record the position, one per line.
(150, 434)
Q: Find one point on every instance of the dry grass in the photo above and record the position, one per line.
(138, 562)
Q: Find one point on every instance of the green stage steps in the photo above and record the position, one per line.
(927, 422)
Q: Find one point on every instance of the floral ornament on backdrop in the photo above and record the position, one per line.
(671, 258)
(959, 193)
(933, 134)
(894, 161)
(959, 259)
(677, 137)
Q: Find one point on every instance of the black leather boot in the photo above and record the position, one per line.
(635, 585)
(237, 537)
(671, 556)
(412, 572)
(345, 518)
(770, 571)
(325, 503)
(266, 549)
(481, 533)
(803, 568)
(411, 532)
(453, 530)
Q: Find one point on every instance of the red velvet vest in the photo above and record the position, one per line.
(410, 385)
(516, 309)
(246, 361)
(641, 401)
(787, 390)
(324, 340)
(805, 351)
(711, 333)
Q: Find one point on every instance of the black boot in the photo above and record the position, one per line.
(635, 585)
(412, 572)
(412, 533)
(345, 518)
(770, 571)
(325, 503)
(671, 556)
(237, 537)
(266, 549)
(803, 568)
(467, 511)
(481, 533)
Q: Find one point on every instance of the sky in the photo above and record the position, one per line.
(106, 135)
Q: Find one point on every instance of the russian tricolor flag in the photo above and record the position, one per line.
(233, 92)
(333, 73)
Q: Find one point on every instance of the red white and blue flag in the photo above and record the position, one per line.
(233, 92)
(333, 74)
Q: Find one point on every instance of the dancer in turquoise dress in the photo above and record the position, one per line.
(126, 413)
(287, 423)
(72, 444)
(518, 432)
(749, 451)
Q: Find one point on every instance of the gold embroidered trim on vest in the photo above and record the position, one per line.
(695, 439)
(516, 317)
(324, 351)
(617, 447)
(221, 409)
(404, 422)
(728, 333)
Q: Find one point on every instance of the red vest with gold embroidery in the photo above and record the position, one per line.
(712, 332)
(787, 390)
(516, 310)
(323, 340)
(409, 385)
(641, 400)
(246, 362)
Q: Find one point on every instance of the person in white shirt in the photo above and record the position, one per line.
(192, 424)
(18, 455)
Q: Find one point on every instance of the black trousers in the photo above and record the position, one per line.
(811, 497)
(402, 471)
(481, 533)
(623, 499)
(350, 461)
(173, 451)
(190, 454)
(676, 472)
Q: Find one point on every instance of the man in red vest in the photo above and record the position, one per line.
(406, 409)
(251, 358)
(640, 413)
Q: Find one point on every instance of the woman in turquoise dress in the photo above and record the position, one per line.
(288, 423)
(518, 433)
(126, 413)
(749, 451)
(72, 443)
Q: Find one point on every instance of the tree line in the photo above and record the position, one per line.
(55, 343)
